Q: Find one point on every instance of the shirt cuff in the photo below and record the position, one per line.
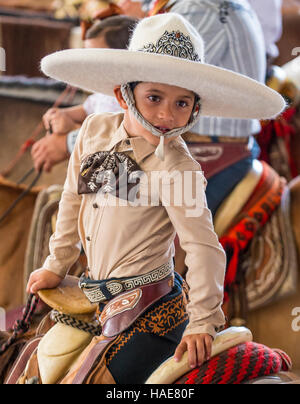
(210, 329)
(71, 140)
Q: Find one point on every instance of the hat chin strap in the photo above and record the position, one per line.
(159, 152)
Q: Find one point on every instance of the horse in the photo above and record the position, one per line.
(69, 351)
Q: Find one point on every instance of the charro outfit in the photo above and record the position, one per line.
(126, 240)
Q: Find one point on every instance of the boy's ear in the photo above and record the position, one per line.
(119, 97)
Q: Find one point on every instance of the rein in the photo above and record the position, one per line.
(67, 95)
(21, 326)
(23, 194)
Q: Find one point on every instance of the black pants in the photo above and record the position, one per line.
(151, 340)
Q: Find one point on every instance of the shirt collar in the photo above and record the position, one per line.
(140, 147)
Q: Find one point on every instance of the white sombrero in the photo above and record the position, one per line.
(166, 49)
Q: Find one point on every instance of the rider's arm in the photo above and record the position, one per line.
(205, 257)
(77, 113)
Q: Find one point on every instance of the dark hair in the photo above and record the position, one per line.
(116, 30)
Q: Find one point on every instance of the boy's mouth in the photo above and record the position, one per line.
(163, 129)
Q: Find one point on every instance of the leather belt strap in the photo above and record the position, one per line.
(124, 310)
(118, 315)
(22, 360)
(102, 291)
(88, 364)
(194, 138)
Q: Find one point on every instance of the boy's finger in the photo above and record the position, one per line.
(208, 347)
(181, 348)
(200, 352)
(192, 352)
(38, 285)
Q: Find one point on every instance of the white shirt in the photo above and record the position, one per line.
(233, 40)
(270, 16)
(100, 103)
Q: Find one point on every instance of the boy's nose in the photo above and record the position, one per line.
(166, 113)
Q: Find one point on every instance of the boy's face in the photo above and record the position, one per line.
(165, 107)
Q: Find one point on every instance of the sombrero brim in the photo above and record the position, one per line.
(223, 92)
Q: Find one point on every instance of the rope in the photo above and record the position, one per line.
(21, 326)
(67, 95)
(23, 194)
(130, 101)
(90, 328)
(239, 364)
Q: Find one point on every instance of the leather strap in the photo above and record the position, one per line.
(113, 325)
(191, 137)
(22, 360)
(88, 364)
(120, 313)
(215, 157)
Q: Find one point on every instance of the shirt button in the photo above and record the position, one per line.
(127, 142)
(88, 238)
(95, 206)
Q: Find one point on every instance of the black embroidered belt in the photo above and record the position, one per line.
(102, 291)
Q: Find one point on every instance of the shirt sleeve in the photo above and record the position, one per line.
(63, 246)
(71, 140)
(205, 257)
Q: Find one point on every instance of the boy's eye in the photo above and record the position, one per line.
(154, 98)
(182, 104)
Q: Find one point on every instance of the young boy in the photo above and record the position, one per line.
(162, 83)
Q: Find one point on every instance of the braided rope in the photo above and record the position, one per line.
(21, 326)
(90, 328)
(241, 363)
(128, 96)
(130, 101)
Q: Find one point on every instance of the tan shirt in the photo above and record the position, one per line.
(122, 241)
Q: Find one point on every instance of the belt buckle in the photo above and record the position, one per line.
(81, 283)
(115, 287)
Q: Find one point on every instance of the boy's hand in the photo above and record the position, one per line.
(42, 279)
(198, 347)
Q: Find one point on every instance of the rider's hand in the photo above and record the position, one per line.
(56, 120)
(198, 347)
(48, 151)
(132, 8)
(42, 279)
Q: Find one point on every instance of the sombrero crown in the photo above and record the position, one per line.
(166, 49)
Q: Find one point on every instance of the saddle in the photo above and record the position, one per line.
(65, 355)
(80, 336)
(267, 262)
(233, 204)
